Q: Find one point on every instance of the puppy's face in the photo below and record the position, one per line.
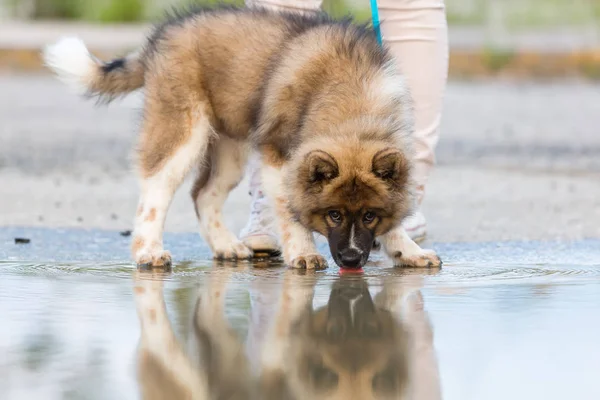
(349, 349)
(352, 194)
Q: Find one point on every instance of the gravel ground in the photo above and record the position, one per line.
(515, 162)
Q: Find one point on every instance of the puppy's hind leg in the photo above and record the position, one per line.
(171, 143)
(226, 169)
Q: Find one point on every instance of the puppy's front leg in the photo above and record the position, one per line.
(405, 252)
(299, 250)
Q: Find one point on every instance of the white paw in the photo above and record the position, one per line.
(420, 259)
(309, 261)
(234, 250)
(153, 258)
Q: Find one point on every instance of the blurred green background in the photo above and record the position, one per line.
(513, 14)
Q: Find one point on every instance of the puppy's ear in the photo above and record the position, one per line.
(321, 166)
(390, 165)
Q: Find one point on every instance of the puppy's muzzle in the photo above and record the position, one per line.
(351, 258)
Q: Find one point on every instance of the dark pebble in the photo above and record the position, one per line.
(126, 233)
(22, 240)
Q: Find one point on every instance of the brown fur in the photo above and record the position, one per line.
(232, 45)
(199, 183)
(289, 84)
(151, 215)
(116, 78)
(354, 186)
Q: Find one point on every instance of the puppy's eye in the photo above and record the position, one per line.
(335, 216)
(369, 217)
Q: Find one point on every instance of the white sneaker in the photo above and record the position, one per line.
(416, 226)
(260, 233)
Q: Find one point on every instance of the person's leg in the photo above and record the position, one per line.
(260, 232)
(416, 33)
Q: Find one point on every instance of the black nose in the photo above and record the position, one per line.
(350, 258)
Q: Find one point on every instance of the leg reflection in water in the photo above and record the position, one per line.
(355, 346)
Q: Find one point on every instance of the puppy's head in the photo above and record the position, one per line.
(351, 193)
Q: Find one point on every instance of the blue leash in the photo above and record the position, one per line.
(375, 19)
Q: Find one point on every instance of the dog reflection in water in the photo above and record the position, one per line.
(355, 347)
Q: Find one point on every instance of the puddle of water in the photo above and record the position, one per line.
(510, 320)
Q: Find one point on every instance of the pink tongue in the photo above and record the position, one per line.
(351, 270)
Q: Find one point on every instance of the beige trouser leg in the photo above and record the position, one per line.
(416, 32)
(287, 5)
(417, 35)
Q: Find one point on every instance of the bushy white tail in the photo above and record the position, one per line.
(70, 59)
